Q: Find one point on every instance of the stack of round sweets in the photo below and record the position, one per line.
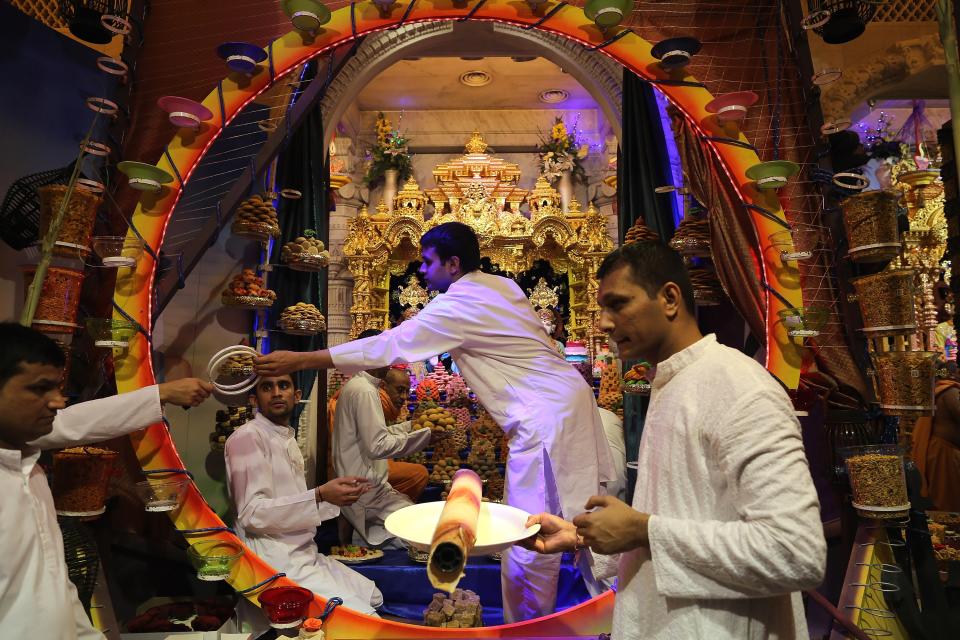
(439, 377)
(443, 470)
(256, 218)
(416, 458)
(640, 232)
(428, 390)
(490, 473)
(435, 419)
(485, 427)
(305, 254)
(692, 237)
(227, 422)
(236, 367)
(707, 290)
(247, 290)
(610, 398)
(482, 451)
(452, 445)
(458, 394)
(462, 415)
(302, 319)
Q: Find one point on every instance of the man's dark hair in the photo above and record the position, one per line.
(369, 333)
(454, 239)
(19, 345)
(652, 265)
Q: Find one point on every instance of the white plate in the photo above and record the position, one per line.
(372, 555)
(498, 527)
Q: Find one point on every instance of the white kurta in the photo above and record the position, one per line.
(613, 429)
(277, 516)
(558, 452)
(735, 530)
(37, 599)
(362, 443)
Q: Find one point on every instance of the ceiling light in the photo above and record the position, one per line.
(554, 96)
(475, 78)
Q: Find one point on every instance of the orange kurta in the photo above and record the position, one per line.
(938, 460)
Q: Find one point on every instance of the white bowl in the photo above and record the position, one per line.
(498, 527)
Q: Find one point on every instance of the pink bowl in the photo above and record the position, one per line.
(184, 112)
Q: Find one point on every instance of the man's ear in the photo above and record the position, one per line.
(453, 264)
(672, 299)
(297, 395)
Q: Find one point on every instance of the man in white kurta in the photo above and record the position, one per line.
(37, 599)
(362, 443)
(277, 516)
(558, 454)
(724, 530)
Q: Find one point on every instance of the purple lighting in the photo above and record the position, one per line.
(673, 154)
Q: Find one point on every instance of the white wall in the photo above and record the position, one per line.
(192, 328)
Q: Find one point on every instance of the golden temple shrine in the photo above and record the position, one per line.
(482, 191)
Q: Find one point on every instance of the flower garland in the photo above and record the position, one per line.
(390, 152)
(562, 152)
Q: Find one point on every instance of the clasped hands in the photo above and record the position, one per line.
(613, 527)
(343, 491)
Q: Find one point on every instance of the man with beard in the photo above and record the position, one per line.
(559, 454)
(277, 516)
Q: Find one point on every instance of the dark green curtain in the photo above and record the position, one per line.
(642, 166)
(302, 166)
(642, 163)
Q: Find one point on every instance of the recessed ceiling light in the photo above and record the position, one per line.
(475, 78)
(554, 96)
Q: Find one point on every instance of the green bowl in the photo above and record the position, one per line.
(143, 176)
(607, 13)
(214, 559)
(773, 174)
(804, 322)
(111, 333)
(306, 15)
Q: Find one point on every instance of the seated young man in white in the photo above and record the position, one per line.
(277, 516)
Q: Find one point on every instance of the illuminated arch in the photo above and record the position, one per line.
(154, 446)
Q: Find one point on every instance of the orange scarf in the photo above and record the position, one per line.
(938, 483)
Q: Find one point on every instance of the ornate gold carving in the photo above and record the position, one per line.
(413, 295)
(476, 144)
(481, 191)
(544, 296)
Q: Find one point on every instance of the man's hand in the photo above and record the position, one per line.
(279, 363)
(343, 491)
(555, 536)
(186, 392)
(613, 528)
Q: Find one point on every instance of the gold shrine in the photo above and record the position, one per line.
(481, 191)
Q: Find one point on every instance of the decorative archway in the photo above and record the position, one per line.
(133, 295)
(595, 73)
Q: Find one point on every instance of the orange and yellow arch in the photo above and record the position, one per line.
(154, 446)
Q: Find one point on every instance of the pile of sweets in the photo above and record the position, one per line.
(458, 610)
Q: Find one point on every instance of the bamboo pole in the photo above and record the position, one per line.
(948, 36)
(49, 240)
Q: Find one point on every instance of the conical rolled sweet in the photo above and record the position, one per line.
(456, 531)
